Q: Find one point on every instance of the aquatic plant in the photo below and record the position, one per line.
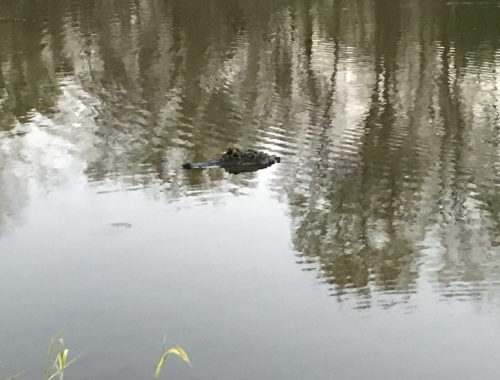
(57, 358)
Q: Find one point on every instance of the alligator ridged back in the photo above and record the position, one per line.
(235, 160)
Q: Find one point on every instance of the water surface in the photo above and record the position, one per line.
(371, 251)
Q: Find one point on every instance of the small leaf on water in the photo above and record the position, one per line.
(174, 350)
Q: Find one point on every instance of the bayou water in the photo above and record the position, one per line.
(372, 251)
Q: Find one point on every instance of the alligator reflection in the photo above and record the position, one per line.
(386, 112)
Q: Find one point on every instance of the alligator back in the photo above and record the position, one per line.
(203, 164)
(237, 161)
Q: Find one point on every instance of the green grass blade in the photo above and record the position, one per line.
(174, 350)
(57, 358)
(56, 344)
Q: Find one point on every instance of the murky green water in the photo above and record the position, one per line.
(371, 251)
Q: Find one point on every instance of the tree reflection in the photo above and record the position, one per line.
(27, 70)
(386, 114)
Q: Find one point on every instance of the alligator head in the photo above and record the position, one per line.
(237, 161)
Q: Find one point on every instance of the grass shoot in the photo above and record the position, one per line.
(174, 350)
(57, 358)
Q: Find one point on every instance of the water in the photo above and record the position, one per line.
(370, 251)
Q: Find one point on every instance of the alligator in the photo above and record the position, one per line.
(237, 161)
